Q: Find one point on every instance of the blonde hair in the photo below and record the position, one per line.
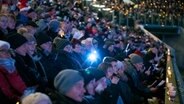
(22, 30)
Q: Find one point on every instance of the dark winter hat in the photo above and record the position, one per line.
(134, 58)
(42, 37)
(149, 56)
(104, 66)
(16, 40)
(54, 25)
(66, 79)
(60, 43)
(91, 73)
(31, 23)
(30, 10)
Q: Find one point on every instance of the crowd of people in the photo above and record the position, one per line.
(57, 52)
(166, 12)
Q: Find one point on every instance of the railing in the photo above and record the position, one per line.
(172, 76)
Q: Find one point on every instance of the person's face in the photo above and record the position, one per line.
(11, 23)
(3, 22)
(121, 70)
(88, 25)
(114, 67)
(88, 45)
(31, 47)
(101, 85)
(94, 30)
(33, 16)
(111, 48)
(64, 26)
(77, 48)
(77, 91)
(22, 50)
(68, 48)
(90, 87)
(109, 36)
(139, 66)
(31, 30)
(47, 46)
(155, 50)
(5, 53)
(110, 72)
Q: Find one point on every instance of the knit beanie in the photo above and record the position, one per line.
(41, 25)
(42, 38)
(35, 98)
(60, 43)
(66, 79)
(31, 23)
(90, 74)
(134, 58)
(16, 40)
(54, 25)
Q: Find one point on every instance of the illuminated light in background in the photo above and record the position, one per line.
(106, 9)
(169, 72)
(93, 56)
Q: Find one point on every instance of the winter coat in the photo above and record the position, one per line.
(61, 99)
(52, 65)
(134, 80)
(3, 35)
(11, 84)
(88, 100)
(5, 100)
(36, 65)
(127, 94)
(27, 70)
(109, 95)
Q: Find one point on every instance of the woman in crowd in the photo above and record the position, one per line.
(11, 84)
(3, 26)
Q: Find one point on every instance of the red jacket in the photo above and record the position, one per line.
(11, 84)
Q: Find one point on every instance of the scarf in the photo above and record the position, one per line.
(8, 64)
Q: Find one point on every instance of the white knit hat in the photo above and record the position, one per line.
(36, 98)
(4, 44)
